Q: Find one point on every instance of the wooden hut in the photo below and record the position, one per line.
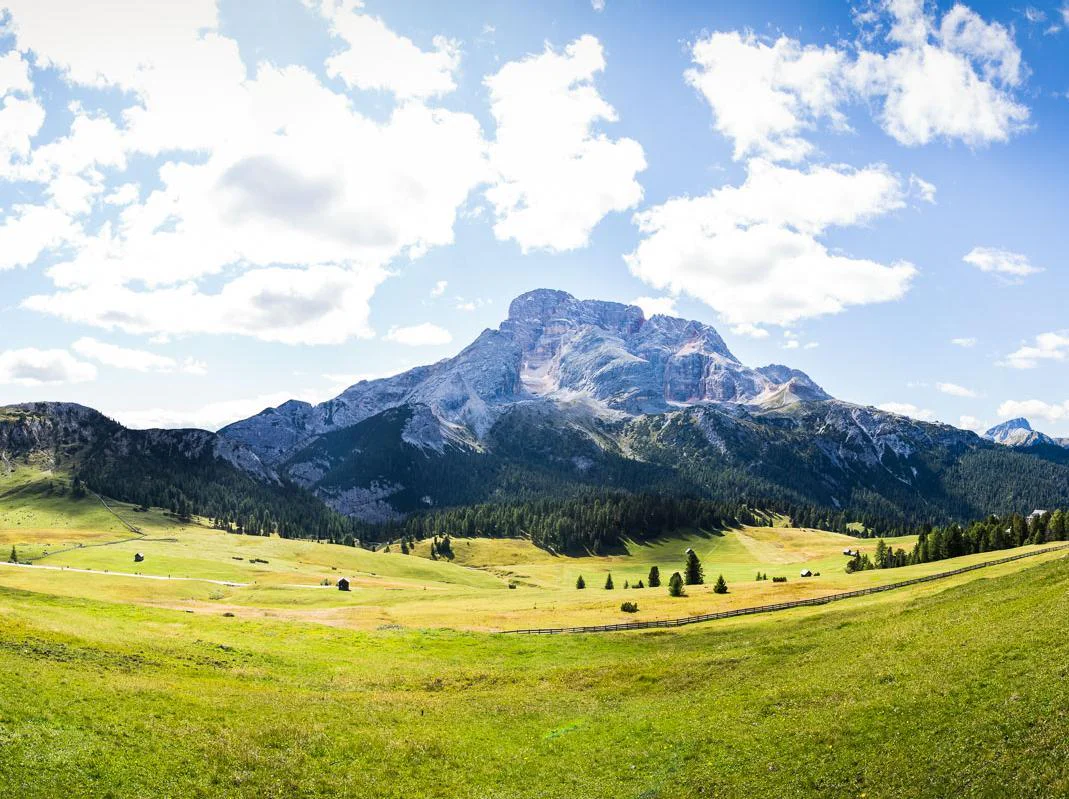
(343, 584)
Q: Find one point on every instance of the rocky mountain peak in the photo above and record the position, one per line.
(552, 347)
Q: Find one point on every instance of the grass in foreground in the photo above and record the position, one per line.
(934, 692)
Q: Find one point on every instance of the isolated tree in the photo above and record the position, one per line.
(655, 577)
(675, 585)
(721, 587)
(640, 585)
(608, 582)
(14, 555)
(404, 547)
(627, 584)
(693, 571)
(580, 583)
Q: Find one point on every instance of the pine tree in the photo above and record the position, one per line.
(693, 571)
(721, 587)
(14, 555)
(608, 582)
(580, 583)
(626, 585)
(655, 577)
(675, 585)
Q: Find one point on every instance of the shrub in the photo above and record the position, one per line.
(675, 585)
(779, 579)
(629, 607)
(580, 583)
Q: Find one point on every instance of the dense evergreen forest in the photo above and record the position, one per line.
(954, 540)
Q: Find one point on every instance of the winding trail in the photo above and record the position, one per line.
(227, 583)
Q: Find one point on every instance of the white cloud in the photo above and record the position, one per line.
(210, 416)
(439, 288)
(951, 78)
(556, 176)
(651, 306)
(965, 342)
(922, 189)
(907, 409)
(751, 330)
(1000, 262)
(1052, 346)
(133, 359)
(34, 367)
(966, 422)
(764, 95)
(791, 344)
(470, 305)
(1051, 411)
(318, 305)
(285, 179)
(598, 5)
(954, 390)
(377, 58)
(752, 253)
(29, 230)
(421, 335)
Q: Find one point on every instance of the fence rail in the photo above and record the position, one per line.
(798, 603)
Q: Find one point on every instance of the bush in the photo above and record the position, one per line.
(629, 607)
(779, 579)
(675, 585)
(580, 583)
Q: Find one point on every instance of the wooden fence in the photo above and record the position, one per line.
(799, 603)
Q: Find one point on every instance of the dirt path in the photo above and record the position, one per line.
(127, 574)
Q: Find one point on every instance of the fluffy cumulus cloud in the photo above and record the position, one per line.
(1054, 412)
(925, 77)
(1046, 348)
(34, 367)
(422, 335)
(555, 174)
(753, 252)
(651, 306)
(1005, 264)
(966, 422)
(764, 95)
(908, 409)
(374, 57)
(954, 390)
(134, 359)
(272, 178)
(277, 207)
(315, 305)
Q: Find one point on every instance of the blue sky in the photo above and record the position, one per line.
(214, 207)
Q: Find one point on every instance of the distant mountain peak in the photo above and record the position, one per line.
(1018, 433)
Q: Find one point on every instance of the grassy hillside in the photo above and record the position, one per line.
(118, 700)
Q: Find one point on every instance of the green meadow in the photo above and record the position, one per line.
(116, 684)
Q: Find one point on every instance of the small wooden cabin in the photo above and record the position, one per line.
(138, 557)
(806, 573)
(343, 584)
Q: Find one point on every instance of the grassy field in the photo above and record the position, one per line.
(113, 684)
(955, 689)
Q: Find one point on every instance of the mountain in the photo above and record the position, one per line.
(188, 471)
(551, 347)
(575, 397)
(1019, 433)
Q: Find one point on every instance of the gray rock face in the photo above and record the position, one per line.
(551, 346)
(1019, 433)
